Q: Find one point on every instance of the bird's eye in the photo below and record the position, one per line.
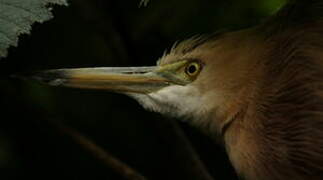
(192, 69)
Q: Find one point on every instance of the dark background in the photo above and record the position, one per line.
(92, 33)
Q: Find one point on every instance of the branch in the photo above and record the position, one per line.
(183, 146)
(200, 167)
(108, 159)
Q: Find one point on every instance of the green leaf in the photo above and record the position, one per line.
(17, 17)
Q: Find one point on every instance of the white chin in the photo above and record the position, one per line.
(175, 101)
(151, 104)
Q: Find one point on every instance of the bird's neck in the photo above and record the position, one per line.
(241, 146)
(236, 130)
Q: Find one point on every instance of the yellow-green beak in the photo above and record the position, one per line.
(119, 79)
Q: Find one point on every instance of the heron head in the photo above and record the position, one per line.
(196, 80)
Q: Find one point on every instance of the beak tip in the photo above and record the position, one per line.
(52, 77)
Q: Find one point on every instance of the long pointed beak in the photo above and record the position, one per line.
(123, 80)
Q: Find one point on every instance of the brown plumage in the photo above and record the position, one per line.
(279, 134)
(260, 90)
(271, 80)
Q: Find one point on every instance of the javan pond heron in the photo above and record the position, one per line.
(259, 89)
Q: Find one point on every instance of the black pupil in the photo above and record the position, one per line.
(192, 69)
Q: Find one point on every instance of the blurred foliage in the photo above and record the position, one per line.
(143, 3)
(108, 33)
